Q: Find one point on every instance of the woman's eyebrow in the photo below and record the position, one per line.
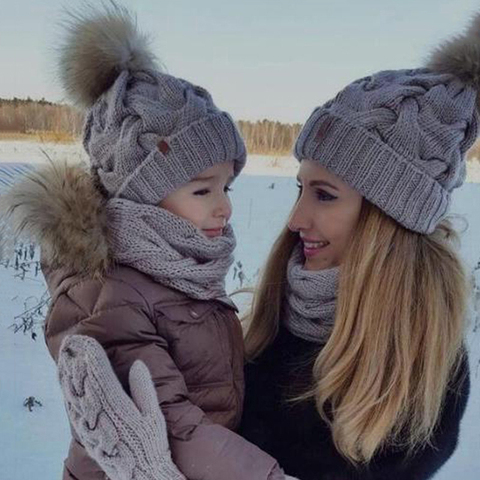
(322, 183)
(319, 183)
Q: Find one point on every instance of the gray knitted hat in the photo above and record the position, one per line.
(147, 133)
(400, 137)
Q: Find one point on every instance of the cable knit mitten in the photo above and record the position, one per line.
(126, 436)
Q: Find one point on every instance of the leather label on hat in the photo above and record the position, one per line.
(163, 146)
(323, 129)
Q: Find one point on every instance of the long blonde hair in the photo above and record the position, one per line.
(397, 338)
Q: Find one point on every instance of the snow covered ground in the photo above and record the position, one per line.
(33, 444)
(277, 166)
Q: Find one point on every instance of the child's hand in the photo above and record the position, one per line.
(126, 436)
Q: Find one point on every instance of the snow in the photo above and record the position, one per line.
(17, 151)
(34, 444)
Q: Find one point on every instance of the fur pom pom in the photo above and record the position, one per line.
(99, 44)
(460, 56)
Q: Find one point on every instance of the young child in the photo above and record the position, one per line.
(135, 252)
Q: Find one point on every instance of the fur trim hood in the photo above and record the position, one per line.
(58, 207)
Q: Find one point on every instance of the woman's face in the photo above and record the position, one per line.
(325, 215)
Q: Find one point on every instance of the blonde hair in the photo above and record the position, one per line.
(397, 338)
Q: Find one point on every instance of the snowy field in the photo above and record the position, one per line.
(33, 152)
(34, 443)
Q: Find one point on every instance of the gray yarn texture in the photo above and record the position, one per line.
(151, 133)
(399, 138)
(169, 248)
(310, 300)
(126, 436)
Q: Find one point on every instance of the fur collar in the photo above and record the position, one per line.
(59, 208)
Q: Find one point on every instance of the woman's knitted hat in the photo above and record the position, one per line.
(146, 133)
(400, 137)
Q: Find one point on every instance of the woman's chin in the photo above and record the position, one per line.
(321, 263)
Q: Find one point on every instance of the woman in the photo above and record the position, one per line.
(357, 366)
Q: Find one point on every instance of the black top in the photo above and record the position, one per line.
(297, 437)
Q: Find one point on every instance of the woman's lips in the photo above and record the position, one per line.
(312, 247)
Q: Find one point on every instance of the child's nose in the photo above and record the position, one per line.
(224, 208)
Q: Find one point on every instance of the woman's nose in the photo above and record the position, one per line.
(299, 219)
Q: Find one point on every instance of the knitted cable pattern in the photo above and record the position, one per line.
(126, 436)
(399, 138)
(169, 248)
(311, 299)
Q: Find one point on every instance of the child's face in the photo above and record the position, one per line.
(204, 200)
(325, 215)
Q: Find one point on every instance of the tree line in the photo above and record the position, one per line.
(27, 116)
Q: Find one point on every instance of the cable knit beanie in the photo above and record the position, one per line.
(400, 137)
(146, 132)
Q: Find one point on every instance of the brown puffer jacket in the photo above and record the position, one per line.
(193, 349)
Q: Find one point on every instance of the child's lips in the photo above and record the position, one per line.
(213, 232)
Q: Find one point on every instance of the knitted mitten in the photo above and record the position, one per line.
(126, 436)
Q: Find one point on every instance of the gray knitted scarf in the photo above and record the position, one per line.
(169, 249)
(310, 300)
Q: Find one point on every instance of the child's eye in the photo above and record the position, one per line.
(324, 196)
(227, 189)
(203, 191)
(299, 186)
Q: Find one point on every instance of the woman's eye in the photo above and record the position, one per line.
(300, 190)
(204, 191)
(227, 189)
(324, 196)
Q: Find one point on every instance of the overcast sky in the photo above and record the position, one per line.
(275, 59)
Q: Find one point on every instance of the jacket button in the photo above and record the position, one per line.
(194, 314)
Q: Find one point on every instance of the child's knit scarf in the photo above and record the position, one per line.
(169, 249)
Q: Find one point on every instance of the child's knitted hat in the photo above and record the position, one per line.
(400, 137)
(147, 133)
